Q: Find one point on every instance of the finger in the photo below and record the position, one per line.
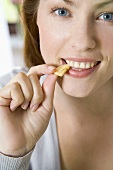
(41, 70)
(4, 101)
(26, 86)
(37, 92)
(48, 89)
(14, 94)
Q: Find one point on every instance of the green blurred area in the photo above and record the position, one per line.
(11, 11)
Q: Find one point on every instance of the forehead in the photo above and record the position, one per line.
(96, 3)
(79, 1)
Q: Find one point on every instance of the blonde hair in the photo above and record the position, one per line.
(32, 54)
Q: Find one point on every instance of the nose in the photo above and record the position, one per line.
(82, 36)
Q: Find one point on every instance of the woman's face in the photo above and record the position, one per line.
(79, 32)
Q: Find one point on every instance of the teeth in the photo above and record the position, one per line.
(88, 65)
(92, 64)
(71, 63)
(81, 65)
(76, 65)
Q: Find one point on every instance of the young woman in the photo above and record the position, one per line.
(65, 123)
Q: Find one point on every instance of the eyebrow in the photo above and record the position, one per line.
(103, 4)
(68, 2)
(99, 5)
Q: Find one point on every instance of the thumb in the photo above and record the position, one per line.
(48, 88)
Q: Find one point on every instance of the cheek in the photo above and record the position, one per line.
(51, 41)
(105, 35)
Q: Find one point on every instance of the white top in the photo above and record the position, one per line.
(45, 155)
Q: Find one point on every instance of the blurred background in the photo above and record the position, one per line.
(11, 35)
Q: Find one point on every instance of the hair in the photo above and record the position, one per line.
(32, 54)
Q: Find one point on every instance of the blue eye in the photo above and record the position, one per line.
(106, 17)
(61, 12)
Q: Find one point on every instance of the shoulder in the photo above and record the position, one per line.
(6, 77)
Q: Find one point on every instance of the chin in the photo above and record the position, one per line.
(76, 89)
(77, 93)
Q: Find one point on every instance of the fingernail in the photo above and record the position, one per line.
(51, 67)
(34, 107)
(12, 106)
(25, 105)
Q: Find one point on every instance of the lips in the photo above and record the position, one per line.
(81, 68)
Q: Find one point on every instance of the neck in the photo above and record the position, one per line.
(81, 123)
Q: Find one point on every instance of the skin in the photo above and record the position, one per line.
(25, 110)
(65, 36)
(87, 102)
(84, 122)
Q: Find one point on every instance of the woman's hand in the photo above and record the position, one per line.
(25, 110)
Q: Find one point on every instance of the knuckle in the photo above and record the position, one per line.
(32, 76)
(19, 94)
(15, 86)
(20, 99)
(39, 98)
(29, 96)
(21, 75)
(31, 70)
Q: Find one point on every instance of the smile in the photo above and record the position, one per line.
(81, 65)
(80, 68)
